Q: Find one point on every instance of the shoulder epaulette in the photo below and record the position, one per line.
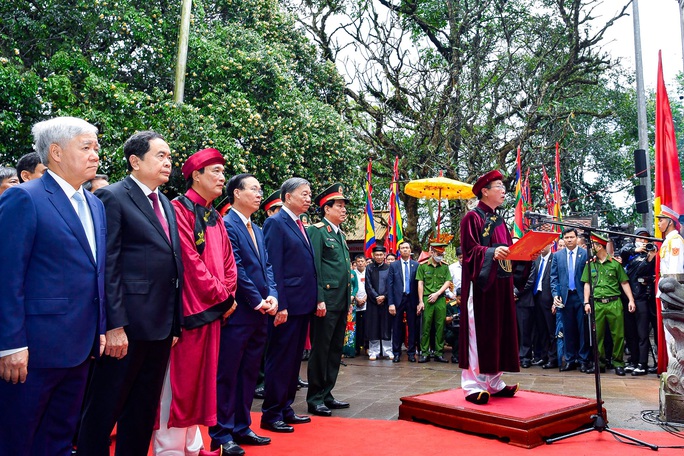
(319, 225)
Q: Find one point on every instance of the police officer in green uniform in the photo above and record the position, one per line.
(433, 280)
(333, 266)
(607, 277)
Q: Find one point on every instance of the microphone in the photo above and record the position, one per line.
(537, 216)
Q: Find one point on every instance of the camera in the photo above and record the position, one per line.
(650, 247)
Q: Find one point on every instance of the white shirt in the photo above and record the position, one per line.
(89, 228)
(361, 294)
(545, 259)
(456, 271)
(672, 254)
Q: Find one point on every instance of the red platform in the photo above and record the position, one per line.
(524, 420)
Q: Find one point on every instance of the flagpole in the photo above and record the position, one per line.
(645, 180)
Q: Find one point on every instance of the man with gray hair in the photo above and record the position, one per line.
(292, 259)
(52, 292)
(8, 178)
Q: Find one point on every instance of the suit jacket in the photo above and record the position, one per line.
(544, 297)
(523, 286)
(52, 289)
(255, 280)
(559, 273)
(292, 261)
(144, 269)
(395, 283)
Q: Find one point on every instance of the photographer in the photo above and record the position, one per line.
(638, 261)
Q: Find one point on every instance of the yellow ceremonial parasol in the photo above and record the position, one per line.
(439, 188)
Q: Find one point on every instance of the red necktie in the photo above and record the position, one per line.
(157, 211)
(301, 228)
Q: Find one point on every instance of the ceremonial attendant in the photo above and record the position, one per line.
(488, 333)
(607, 276)
(334, 296)
(210, 278)
(671, 251)
(378, 327)
(52, 293)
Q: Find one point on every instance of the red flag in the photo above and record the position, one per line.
(668, 183)
(557, 190)
(548, 191)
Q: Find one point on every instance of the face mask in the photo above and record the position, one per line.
(438, 258)
(638, 244)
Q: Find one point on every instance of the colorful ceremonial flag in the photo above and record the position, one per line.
(527, 197)
(370, 222)
(668, 183)
(395, 232)
(518, 227)
(548, 192)
(557, 190)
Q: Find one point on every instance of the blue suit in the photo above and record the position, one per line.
(573, 316)
(292, 258)
(244, 337)
(404, 303)
(51, 301)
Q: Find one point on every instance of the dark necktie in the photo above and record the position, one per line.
(407, 278)
(157, 211)
(539, 276)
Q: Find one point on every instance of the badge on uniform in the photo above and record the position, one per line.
(329, 229)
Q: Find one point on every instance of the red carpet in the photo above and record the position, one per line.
(361, 437)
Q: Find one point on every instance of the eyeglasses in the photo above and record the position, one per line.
(256, 190)
(500, 187)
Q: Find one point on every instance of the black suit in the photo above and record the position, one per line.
(545, 320)
(524, 307)
(143, 289)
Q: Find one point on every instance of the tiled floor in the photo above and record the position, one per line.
(374, 387)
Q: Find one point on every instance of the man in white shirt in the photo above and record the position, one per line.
(361, 298)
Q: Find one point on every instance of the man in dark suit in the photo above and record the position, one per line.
(292, 258)
(523, 283)
(402, 296)
(51, 293)
(333, 267)
(144, 273)
(545, 313)
(568, 296)
(243, 338)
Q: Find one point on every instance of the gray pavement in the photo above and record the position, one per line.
(374, 387)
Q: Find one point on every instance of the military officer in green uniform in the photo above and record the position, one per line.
(433, 280)
(607, 276)
(333, 266)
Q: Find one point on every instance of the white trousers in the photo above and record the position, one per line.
(472, 381)
(374, 347)
(174, 441)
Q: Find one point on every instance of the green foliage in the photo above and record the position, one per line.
(255, 88)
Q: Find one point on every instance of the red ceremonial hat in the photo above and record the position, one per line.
(485, 179)
(200, 159)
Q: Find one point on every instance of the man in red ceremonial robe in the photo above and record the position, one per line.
(488, 335)
(189, 395)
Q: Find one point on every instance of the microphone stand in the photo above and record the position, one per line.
(599, 422)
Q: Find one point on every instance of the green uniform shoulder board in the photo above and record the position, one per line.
(319, 225)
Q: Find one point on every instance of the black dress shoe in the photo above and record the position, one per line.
(589, 370)
(538, 362)
(412, 358)
(302, 383)
(619, 370)
(584, 367)
(441, 359)
(232, 448)
(297, 419)
(480, 398)
(336, 405)
(507, 391)
(550, 365)
(396, 359)
(454, 359)
(319, 410)
(259, 392)
(568, 367)
(423, 359)
(525, 364)
(251, 439)
(277, 426)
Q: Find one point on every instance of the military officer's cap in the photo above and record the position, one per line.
(272, 201)
(599, 239)
(332, 193)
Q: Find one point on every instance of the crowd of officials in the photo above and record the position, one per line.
(120, 307)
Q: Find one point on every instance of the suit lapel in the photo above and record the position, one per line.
(143, 203)
(293, 226)
(237, 221)
(63, 206)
